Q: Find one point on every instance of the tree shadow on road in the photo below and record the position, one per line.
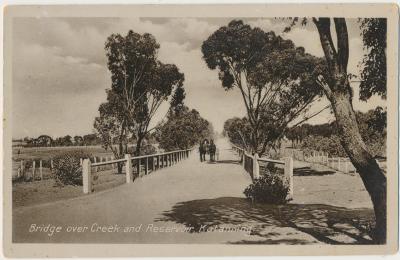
(307, 171)
(227, 162)
(325, 223)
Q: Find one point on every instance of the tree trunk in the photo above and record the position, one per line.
(138, 146)
(121, 154)
(339, 94)
(373, 178)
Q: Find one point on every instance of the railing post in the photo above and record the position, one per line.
(146, 166)
(168, 160)
(41, 170)
(138, 167)
(87, 176)
(289, 175)
(33, 170)
(256, 167)
(128, 168)
(243, 159)
(153, 163)
(95, 161)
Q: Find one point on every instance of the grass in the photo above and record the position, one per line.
(46, 153)
(47, 190)
(26, 193)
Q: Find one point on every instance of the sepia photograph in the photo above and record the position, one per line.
(172, 126)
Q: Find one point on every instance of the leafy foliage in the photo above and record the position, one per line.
(140, 84)
(67, 169)
(325, 137)
(269, 188)
(276, 79)
(176, 103)
(238, 130)
(329, 145)
(373, 74)
(183, 130)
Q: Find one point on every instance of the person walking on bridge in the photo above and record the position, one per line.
(203, 149)
(212, 149)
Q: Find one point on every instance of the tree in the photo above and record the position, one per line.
(336, 86)
(63, 141)
(164, 79)
(139, 80)
(78, 140)
(276, 79)
(238, 130)
(44, 140)
(176, 103)
(112, 127)
(90, 139)
(188, 125)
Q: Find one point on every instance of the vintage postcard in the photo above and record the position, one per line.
(200, 130)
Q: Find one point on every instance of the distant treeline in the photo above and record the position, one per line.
(48, 141)
(325, 137)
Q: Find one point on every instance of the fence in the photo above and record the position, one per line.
(149, 163)
(31, 170)
(251, 163)
(41, 169)
(341, 164)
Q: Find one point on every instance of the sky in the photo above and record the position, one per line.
(60, 73)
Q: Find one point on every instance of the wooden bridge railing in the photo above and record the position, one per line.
(251, 163)
(150, 163)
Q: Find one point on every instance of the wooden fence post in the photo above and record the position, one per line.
(289, 175)
(153, 165)
(95, 161)
(338, 167)
(41, 170)
(256, 167)
(33, 170)
(146, 166)
(128, 168)
(22, 168)
(138, 167)
(87, 176)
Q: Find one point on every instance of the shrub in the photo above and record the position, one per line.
(269, 188)
(67, 169)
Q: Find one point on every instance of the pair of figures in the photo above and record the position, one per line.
(207, 148)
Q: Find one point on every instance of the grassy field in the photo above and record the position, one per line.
(46, 153)
(47, 190)
(44, 191)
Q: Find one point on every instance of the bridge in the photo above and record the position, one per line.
(189, 202)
